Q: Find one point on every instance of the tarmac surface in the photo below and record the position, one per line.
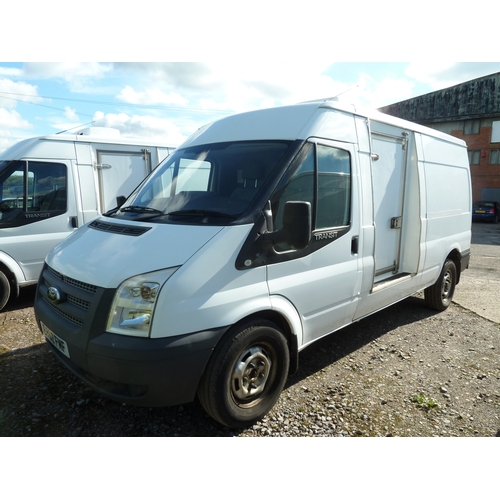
(479, 287)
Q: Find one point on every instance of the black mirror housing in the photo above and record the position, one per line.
(297, 226)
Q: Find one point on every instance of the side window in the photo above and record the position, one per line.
(334, 187)
(28, 187)
(47, 187)
(299, 188)
(12, 188)
(323, 178)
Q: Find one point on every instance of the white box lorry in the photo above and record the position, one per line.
(262, 233)
(53, 184)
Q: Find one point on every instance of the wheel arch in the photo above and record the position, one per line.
(283, 323)
(456, 257)
(13, 279)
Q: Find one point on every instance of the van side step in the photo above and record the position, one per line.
(393, 280)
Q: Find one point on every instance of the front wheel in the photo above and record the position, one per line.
(440, 295)
(245, 375)
(4, 290)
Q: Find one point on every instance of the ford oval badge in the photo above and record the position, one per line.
(53, 294)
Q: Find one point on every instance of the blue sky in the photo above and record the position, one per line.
(169, 101)
(259, 54)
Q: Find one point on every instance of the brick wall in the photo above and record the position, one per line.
(484, 174)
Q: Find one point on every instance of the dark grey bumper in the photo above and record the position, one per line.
(144, 372)
(133, 370)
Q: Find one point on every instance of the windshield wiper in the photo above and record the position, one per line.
(141, 210)
(202, 212)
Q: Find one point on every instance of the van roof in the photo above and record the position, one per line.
(296, 122)
(21, 148)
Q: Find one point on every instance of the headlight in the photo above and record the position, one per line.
(134, 303)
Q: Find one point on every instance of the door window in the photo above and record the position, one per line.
(30, 191)
(322, 177)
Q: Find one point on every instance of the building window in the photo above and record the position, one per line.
(474, 157)
(495, 131)
(495, 157)
(472, 127)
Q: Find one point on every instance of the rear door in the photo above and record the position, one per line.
(120, 173)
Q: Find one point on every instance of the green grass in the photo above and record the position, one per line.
(424, 402)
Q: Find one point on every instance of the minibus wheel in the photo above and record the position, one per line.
(4, 290)
(246, 374)
(440, 295)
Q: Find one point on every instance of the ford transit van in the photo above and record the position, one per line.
(53, 184)
(262, 233)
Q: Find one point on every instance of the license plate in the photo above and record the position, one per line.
(56, 341)
(480, 211)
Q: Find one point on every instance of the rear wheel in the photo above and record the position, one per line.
(4, 290)
(245, 375)
(440, 295)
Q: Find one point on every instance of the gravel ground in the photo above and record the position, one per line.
(405, 371)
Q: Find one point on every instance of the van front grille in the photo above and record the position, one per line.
(76, 296)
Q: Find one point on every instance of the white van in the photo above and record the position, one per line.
(262, 233)
(53, 184)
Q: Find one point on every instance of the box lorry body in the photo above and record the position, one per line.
(262, 233)
(51, 185)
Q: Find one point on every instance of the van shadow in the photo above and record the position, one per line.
(344, 342)
(40, 397)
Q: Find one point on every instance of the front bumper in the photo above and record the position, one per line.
(144, 372)
(132, 370)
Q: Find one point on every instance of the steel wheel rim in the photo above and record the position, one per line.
(251, 374)
(447, 285)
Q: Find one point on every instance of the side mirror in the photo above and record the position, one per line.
(120, 200)
(297, 226)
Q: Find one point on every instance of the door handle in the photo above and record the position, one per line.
(355, 245)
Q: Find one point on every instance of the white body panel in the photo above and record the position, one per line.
(422, 181)
(91, 189)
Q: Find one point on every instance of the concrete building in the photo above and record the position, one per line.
(470, 111)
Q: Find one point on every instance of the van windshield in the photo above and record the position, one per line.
(215, 182)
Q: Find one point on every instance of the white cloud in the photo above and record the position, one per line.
(154, 129)
(65, 70)
(11, 126)
(235, 85)
(12, 92)
(13, 72)
(70, 114)
(80, 77)
(440, 75)
(150, 96)
(12, 120)
(371, 93)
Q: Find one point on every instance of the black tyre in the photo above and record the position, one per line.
(245, 374)
(4, 290)
(440, 295)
